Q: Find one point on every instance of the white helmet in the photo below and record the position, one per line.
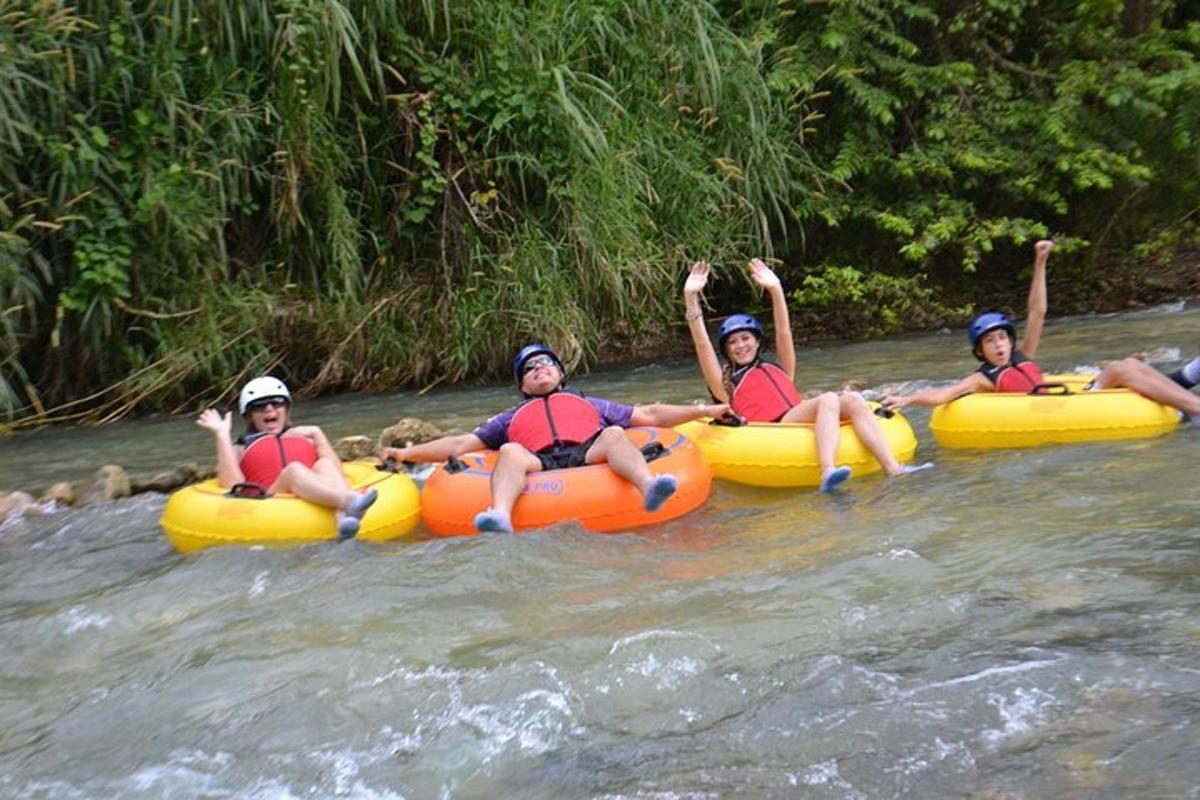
(261, 389)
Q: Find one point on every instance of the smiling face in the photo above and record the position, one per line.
(996, 347)
(540, 375)
(741, 347)
(269, 415)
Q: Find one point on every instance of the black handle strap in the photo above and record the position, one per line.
(885, 413)
(653, 450)
(1051, 388)
(248, 491)
(729, 419)
(454, 465)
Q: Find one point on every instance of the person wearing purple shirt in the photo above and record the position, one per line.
(539, 375)
(494, 432)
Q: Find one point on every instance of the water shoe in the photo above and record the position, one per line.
(493, 522)
(834, 478)
(347, 526)
(908, 469)
(359, 503)
(662, 487)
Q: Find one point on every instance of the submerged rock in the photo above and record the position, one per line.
(15, 504)
(183, 475)
(409, 431)
(352, 448)
(61, 493)
(109, 483)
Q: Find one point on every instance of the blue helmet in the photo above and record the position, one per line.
(739, 322)
(529, 351)
(989, 321)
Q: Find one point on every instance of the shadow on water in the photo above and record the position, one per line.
(1007, 624)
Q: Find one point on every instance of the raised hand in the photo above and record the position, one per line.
(1043, 248)
(697, 279)
(761, 274)
(211, 420)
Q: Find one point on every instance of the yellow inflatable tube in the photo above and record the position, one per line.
(1070, 414)
(205, 515)
(785, 453)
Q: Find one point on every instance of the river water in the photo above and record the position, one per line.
(1007, 625)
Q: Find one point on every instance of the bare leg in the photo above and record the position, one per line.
(869, 433)
(318, 487)
(613, 446)
(627, 461)
(824, 411)
(1129, 373)
(508, 477)
(331, 472)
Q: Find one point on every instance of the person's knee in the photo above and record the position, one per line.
(610, 440)
(1116, 373)
(828, 401)
(853, 402)
(512, 451)
(293, 469)
(612, 437)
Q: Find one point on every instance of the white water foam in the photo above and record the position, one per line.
(259, 587)
(77, 619)
(827, 774)
(1024, 711)
(660, 634)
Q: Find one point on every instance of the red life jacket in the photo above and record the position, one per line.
(553, 420)
(1019, 375)
(266, 455)
(764, 393)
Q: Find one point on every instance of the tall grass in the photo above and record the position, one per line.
(362, 194)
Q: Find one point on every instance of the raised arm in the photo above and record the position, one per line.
(437, 450)
(975, 382)
(785, 349)
(663, 415)
(1035, 309)
(710, 365)
(228, 471)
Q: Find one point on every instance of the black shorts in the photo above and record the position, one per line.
(566, 456)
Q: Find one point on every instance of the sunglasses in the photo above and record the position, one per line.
(267, 402)
(537, 361)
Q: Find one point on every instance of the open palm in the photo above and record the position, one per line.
(697, 278)
(761, 274)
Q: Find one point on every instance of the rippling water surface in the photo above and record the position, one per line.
(1007, 625)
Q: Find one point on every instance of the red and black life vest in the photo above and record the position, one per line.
(553, 420)
(267, 454)
(1018, 375)
(763, 393)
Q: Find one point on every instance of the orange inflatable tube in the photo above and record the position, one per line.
(594, 496)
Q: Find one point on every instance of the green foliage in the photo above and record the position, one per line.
(958, 129)
(844, 301)
(370, 193)
(363, 193)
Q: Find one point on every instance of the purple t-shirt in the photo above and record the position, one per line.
(494, 432)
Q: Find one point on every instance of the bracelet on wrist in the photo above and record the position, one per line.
(692, 316)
